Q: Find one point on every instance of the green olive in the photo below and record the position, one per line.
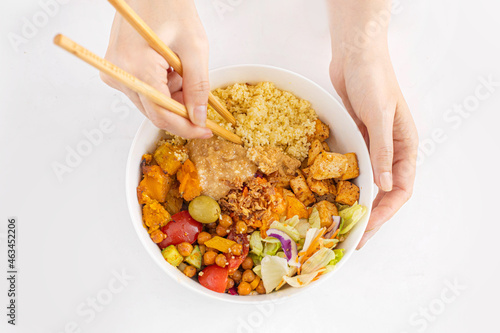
(204, 209)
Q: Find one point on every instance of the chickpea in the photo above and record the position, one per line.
(203, 249)
(236, 276)
(220, 260)
(230, 283)
(247, 263)
(185, 249)
(225, 221)
(260, 288)
(190, 271)
(248, 276)
(203, 237)
(244, 288)
(209, 258)
(236, 249)
(221, 231)
(211, 225)
(241, 227)
(158, 236)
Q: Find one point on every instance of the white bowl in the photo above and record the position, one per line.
(344, 137)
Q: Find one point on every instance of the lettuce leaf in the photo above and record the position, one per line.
(292, 221)
(339, 254)
(257, 270)
(314, 220)
(301, 280)
(255, 258)
(351, 216)
(288, 229)
(310, 235)
(270, 249)
(273, 269)
(330, 242)
(256, 243)
(318, 260)
(270, 239)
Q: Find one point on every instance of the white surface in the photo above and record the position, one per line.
(74, 234)
(346, 138)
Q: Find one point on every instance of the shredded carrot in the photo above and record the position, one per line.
(282, 283)
(320, 272)
(330, 227)
(329, 245)
(335, 234)
(313, 246)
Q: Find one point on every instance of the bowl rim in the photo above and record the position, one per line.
(132, 200)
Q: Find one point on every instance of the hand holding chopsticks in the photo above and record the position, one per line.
(159, 46)
(136, 85)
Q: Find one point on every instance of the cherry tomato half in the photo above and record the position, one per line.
(214, 278)
(235, 261)
(182, 228)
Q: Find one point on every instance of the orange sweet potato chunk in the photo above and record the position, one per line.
(296, 207)
(154, 186)
(187, 176)
(154, 215)
(168, 157)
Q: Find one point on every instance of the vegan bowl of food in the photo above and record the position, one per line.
(260, 221)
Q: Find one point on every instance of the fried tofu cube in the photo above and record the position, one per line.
(321, 131)
(280, 180)
(328, 165)
(301, 190)
(328, 197)
(333, 188)
(154, 186)
(320, 187)
(169, 157)
(352, 167)
(326, 210)
(347, 193)
(326, 147)
(314, 151)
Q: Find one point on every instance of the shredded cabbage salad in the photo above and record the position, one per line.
(298, 251)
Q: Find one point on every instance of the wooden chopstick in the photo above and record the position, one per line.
(159, 46)
(136, 85)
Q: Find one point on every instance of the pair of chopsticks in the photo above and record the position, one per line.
(139, 86)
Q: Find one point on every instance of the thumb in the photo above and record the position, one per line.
(380, 130)
(195, 86)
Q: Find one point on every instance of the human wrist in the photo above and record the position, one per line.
(358, 28)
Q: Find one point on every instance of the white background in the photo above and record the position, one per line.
(76, 234)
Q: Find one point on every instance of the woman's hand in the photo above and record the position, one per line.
(363, 76)
(178, 25)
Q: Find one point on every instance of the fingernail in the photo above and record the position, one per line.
(208, 135)
(385, 180)
(200, 115)
(366, 237)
